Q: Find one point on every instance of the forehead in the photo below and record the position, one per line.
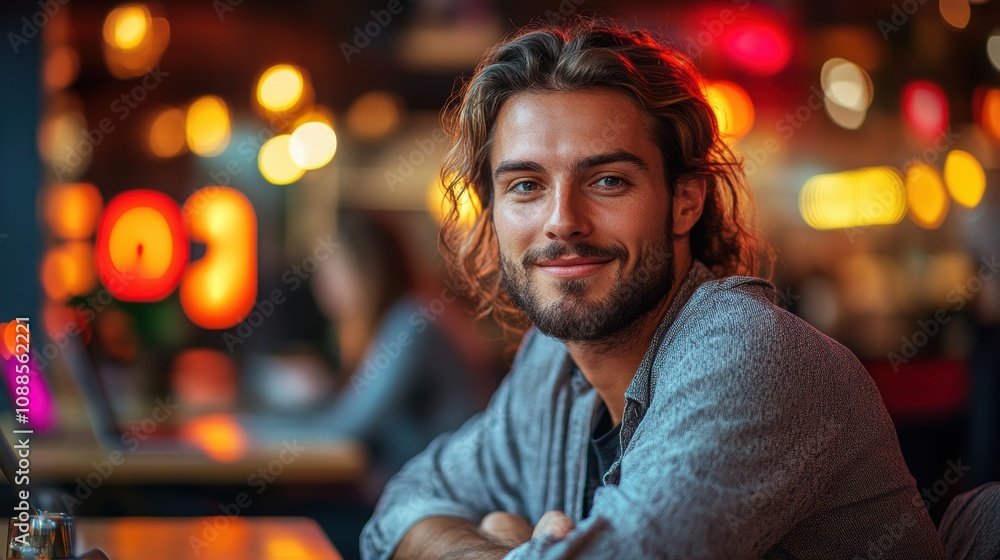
(550, 126)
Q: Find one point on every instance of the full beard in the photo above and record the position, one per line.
(607, 320)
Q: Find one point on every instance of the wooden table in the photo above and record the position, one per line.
(319, 462)
(195, 538)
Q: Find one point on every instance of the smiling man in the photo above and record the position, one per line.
(660, 405)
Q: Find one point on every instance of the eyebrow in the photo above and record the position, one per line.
(619, 156)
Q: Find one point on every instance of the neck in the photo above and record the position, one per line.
(611, 372)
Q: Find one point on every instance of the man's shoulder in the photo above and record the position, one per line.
(734, 325)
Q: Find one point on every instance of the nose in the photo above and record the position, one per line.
(568, 218)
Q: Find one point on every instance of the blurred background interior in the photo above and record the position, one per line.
(220, 218)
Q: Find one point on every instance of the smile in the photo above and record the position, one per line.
(572, 268)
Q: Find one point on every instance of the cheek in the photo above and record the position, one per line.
(513, 230)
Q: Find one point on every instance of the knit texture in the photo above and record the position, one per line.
(746, 434)
(971, 526)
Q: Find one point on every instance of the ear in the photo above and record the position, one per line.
(688, 203)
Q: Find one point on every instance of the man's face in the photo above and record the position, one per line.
(581, 212)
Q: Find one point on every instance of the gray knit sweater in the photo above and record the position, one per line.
(746, 434)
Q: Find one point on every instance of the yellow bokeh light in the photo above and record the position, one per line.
(207, 126)
(127, 27)
(220, 289)
(469, 206)
(276, 163)
(312, 145)
(733, 108)
(965, 178)
(141, 243)
(860, 198)
(166, 133)
(280, 87)
(72, 209)
(925, 195)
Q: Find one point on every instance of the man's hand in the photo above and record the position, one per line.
(515, 529)
(555, 524)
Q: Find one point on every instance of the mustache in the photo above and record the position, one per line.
(581, 249)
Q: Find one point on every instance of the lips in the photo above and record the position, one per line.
(572, 267)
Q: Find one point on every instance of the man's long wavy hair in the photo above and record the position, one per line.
(588, 54)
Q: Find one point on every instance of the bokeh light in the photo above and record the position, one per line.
(373, 115)
(993, 49)
(732, 106)
(925, 109)
(955, 13)
(438, 205)
(67, 270)
(141, 246)
(312, 145)
(965, 178)
(219, 436)
(62, 66)
(276, 163)
(758, 42)
(127, 28)
(988, 110)
(925, 195)
(167, 137)
(860, 198)
(220, 289)
(280, 87)
(207, 126)
(204, 378)
(72, 209)
(134, 40)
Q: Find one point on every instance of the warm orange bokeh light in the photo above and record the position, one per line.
(141, 246)
(926, 196)
(9, 339)
(68, 270)
(219, 290)
(988, 108)
(733, 108)
(72, 209)
(219, 436)
(204, 378)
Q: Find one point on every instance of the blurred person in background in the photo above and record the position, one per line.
(414, 371)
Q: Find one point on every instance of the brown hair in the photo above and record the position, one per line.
(590, 54)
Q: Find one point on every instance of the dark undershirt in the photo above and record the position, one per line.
(603, 451)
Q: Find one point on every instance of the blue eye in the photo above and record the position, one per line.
(528, 186)
(610, 181)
